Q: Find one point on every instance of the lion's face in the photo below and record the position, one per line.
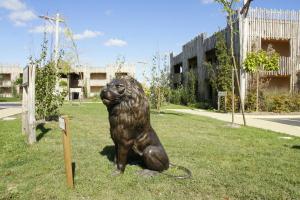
(113, 92)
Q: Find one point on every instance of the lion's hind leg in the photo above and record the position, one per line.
(155, 158)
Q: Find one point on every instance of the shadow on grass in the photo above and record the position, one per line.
(296, 147)
(43, 130)
(165, 113)
(109, 152)
(73, 171)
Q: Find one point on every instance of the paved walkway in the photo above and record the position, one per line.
(10, 104)
(10, 112)
(258, 121)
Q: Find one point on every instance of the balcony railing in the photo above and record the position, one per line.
(285, 67)
(98, 82)
(5, 95)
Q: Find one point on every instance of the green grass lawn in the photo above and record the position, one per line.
(10, 99)
(245, 163)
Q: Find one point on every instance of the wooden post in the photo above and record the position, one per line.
(28, 104)
(257, 83)
(24, 111)
(232, 96)
(219, 103)
(24, 101)
(66, 137)
(225, 103)
(31, 106)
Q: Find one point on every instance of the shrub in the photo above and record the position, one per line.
(191, 87)
(250, 102)
(276, 101)
(229, 103)
(280, 103)
(63, 83)
(47, 99)
(296, 102)
(176, 95)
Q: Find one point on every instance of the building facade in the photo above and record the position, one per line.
(91, 79)
(8, 76)
(261, 28)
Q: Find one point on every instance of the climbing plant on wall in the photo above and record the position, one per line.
(220, 72)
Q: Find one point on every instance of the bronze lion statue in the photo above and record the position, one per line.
(130, 128)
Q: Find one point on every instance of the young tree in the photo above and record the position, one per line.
(259, 61)
(160, 81)
(228, 6)
(47, 99)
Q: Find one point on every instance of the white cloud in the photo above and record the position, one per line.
(19, 13)
(12, 4)
(207, 1)
(87, 34)
(21, 17)
(115, 42)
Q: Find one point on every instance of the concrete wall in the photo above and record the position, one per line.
(10, 73)
(94, 78)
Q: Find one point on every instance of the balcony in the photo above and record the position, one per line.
(5, 83)
(286, 66)
(80, 83)
(94, 82)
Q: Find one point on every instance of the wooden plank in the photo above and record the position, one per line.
(31, 106)
(24, 111)
(66, 137)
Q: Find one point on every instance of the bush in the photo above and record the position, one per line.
(176, 95)
(48, 101)
(274, 102)
(63, 83)
(250, 102)
(229, 103)
(295, 102)
(280, 103)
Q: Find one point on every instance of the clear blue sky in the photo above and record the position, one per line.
(105, 29)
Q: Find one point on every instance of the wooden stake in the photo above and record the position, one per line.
(64, 125)
(28, 104)
(232, 97)
(31, 106)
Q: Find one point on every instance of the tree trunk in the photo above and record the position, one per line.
(232, 97)
(257, 83)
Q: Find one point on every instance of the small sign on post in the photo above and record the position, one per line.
(64, 125)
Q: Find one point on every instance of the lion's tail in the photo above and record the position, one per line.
(187, 173)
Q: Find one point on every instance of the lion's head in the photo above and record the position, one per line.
(121, 89)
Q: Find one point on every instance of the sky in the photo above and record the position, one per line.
(107, 29)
